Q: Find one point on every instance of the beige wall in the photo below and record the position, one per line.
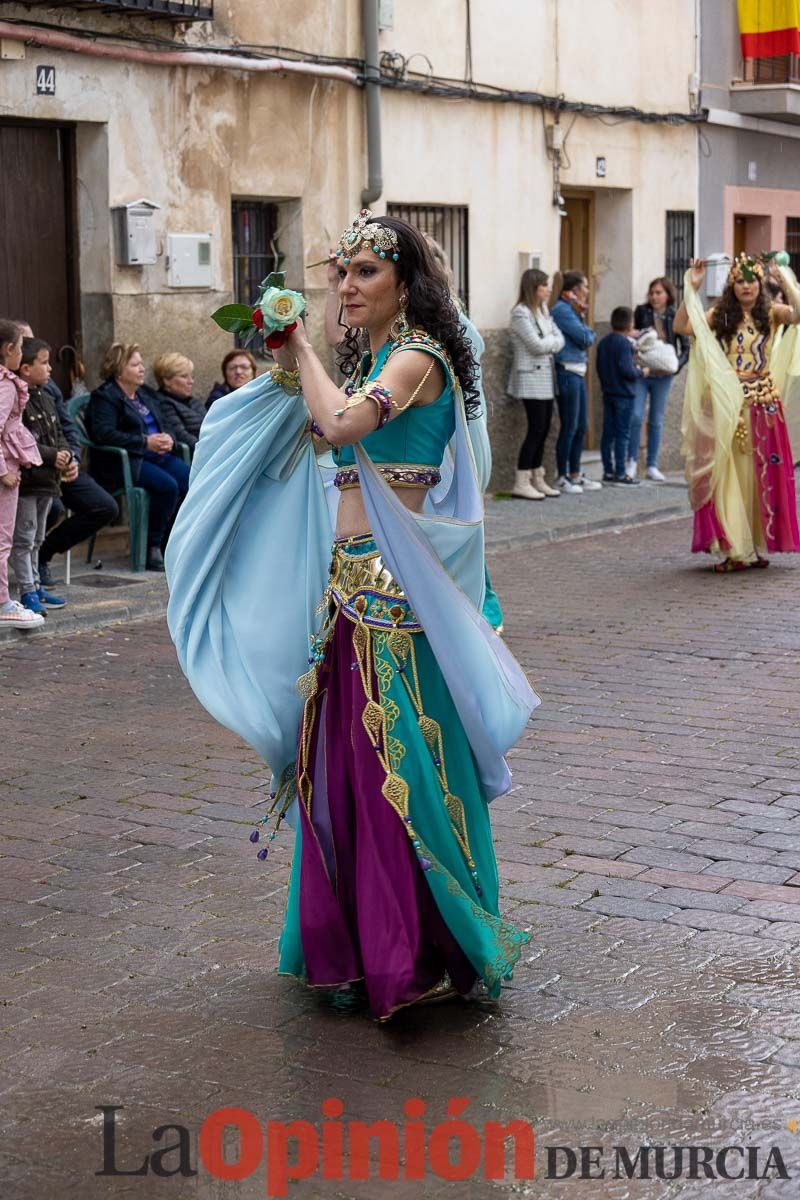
(192, 138)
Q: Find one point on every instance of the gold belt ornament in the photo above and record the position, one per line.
(363, 587)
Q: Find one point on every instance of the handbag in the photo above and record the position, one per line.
(659, 357)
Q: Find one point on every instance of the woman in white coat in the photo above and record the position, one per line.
(535, 338)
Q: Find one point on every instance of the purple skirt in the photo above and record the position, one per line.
(366, 910)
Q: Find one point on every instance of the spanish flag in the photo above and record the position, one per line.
(769, 28)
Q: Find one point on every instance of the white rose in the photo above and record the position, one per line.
(281, 307)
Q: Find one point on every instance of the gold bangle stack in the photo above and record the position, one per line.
(288, 380)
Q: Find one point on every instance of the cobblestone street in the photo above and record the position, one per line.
(651, 844)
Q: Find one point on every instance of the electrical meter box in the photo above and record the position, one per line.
(135, 233)
(189, 260)
(717, 268)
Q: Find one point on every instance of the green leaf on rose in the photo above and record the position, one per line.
(276, 279)
(233, 318)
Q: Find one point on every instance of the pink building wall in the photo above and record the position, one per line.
(768, 210)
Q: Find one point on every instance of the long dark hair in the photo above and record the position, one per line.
(727, 314)
(430, 307)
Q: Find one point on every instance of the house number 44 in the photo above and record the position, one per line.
(45, 81)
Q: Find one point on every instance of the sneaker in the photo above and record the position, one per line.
(566, 485)
(608, 478)
(654, 473)
(31, 601)
(49, 599)
(628, 479)
(589, 485)
(631, 467)
(13, 615)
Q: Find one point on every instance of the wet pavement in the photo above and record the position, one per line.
(651, 844)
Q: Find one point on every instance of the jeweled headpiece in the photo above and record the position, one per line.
(746, 269)
(366, 234)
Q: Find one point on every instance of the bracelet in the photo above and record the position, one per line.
(288, 380)
(371, 391)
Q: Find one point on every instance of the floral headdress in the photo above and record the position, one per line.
(367, 234)
(747, 269)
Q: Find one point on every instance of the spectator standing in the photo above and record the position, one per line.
(39, 484)
(535, 339)
(123, 412)
(569, 314)
(619, 376)
(238, 368)
(175, 380)
(17, 449)
(658, 313)
(90, 507)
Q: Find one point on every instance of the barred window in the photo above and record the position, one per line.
(679, 247)
(793, 243)
(449, 225)
(255, 254)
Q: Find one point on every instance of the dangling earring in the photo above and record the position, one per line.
(400, 324)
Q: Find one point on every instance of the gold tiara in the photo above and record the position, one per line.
(746, 269)
(366, 234)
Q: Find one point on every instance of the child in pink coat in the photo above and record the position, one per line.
(17, 449)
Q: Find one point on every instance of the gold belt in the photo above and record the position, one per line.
(363, 587)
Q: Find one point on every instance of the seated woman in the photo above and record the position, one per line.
(238, 367)
(123, 412)
(739, 464)
(393, 740)
(174, 376)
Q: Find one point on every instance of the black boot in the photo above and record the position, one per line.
(155, 559)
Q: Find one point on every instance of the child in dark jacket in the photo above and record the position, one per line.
(618, 374)
(39, 485)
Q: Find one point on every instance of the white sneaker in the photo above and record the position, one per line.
(589, 485)
(631, 467)
(654, 473)
(566, 485)
(18, 617)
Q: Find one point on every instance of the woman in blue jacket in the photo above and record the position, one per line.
(569, 314)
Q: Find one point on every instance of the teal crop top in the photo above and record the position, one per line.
(418, 435)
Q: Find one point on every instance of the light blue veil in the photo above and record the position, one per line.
(247, 563)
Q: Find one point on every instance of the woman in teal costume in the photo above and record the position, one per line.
(408, 700)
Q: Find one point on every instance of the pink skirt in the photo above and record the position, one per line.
(773, 469)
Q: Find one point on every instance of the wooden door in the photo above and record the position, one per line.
(576, 236)
(576, 254)
(38, 278)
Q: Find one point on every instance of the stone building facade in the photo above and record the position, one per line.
(566, 160)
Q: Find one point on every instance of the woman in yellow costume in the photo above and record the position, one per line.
(739, 463)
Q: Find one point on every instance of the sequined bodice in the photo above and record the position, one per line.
(417, 436)
(749, 350)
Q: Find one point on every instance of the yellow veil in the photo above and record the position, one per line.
(711, 407)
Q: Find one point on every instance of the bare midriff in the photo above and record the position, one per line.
(352, 518)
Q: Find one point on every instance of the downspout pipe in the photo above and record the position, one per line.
(173, 58)
(372, 90)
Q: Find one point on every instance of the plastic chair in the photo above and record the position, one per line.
(137, 501)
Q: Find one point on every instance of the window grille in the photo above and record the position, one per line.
(449, 225)
(175, 10)
(793, 243)
(783, 68)
(255, 254)
(680, 247)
